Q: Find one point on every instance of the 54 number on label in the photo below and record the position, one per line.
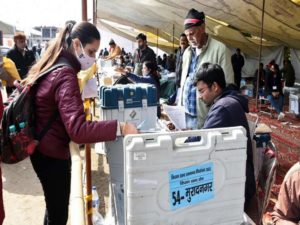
(177, 198)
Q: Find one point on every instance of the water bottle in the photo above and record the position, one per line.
(22, 125)
(95, 198)
(12, 131)
(243, 82)
(29, 143)
(97, 217)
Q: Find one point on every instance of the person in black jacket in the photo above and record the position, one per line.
(142, 53)
(22, 57)
(227, 109)
(273, 89)
(237, 61)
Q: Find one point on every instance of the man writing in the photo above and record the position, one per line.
(227, 109)
(203, 49)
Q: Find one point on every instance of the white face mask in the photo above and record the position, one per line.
(85, 60)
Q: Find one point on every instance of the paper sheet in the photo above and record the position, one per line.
(90, 89)
(176, 115)
(177, 95)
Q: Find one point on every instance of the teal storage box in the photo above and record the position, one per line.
(134, 103)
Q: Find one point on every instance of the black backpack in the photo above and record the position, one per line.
(18, 137)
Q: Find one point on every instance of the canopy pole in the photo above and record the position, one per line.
(173, 37)
(88, 167)
(84, 10)
(260, 50)
(156, 42)
(95, 12)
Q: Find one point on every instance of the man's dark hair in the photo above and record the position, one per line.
(182, 35)
(210, 73)
(141, 36)
(238, 50)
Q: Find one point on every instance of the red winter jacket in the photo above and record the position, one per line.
(59, 90)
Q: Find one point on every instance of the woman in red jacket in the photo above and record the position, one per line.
(58, 94)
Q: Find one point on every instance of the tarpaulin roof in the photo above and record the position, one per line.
(235, 22)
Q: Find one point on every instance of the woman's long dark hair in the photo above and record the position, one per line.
(84, 31)
(152, 67)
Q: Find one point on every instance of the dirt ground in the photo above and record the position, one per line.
(23, 194)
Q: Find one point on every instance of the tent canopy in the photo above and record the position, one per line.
(235, 22)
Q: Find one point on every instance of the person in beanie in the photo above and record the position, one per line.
(202, 49)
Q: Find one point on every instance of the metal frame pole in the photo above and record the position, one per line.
(173, 38)
(260, 50)
(84, 10)
(88, 167)
(156, 42)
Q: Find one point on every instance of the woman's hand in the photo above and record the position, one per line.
(128, 128)
(128, 69)
(121, 70)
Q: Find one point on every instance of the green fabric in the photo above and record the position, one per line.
(167, 88)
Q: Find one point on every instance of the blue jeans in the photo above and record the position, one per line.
(277, 103)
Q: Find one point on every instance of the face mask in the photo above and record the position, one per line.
(141, 46)
(85, 60)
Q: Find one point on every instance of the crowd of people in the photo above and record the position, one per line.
(208, 79)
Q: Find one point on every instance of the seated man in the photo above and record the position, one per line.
(227, 109)
(273, 90)
(287, 208)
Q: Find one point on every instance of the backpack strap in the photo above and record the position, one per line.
(61, 62)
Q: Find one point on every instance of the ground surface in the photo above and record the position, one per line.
(23, 194)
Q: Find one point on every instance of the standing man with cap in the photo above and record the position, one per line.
(142, 54)
(203, 49)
